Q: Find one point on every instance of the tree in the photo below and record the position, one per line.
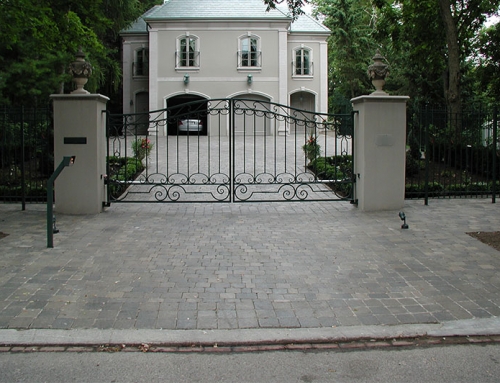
(454, 26)
(350, 45)
(39, 39)
(294, 6)
(412, 36)
(488, 69)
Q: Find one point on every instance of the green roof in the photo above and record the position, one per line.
(222, 10)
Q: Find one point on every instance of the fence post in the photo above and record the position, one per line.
(380, 150)
(79, 130)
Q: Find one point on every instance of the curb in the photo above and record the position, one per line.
(245, 340)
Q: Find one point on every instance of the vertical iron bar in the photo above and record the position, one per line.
(23, 170)
(231, 151)
(495, 133)
(255, 145)
(427, 155)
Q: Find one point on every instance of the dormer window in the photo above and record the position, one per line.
(249, 55)
(302, 64)
(188, 54)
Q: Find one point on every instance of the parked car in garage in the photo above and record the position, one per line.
(190, 125)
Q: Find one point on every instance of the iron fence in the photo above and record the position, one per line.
(230, 150)
(26, 154)
(451, 155)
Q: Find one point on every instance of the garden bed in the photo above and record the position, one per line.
(121, 170)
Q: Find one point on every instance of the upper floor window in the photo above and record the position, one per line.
(249, 55)
(303, 62)
(141, 62)
(188, 55)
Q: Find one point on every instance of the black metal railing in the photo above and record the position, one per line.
(230, 150)
(451, 155)
(26, 154)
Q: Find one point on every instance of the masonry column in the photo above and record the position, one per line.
(79, 130)
(380, 146)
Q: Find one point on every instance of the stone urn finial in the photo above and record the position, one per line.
(378, 71)
(81, 71)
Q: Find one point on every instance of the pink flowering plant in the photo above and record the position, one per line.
(311, 148)
(142, 148)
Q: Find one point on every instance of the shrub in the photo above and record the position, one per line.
(412, 165)
(142, 147)
(337, 169)
(311, 148)
(122, 169)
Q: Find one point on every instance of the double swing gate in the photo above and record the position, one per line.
(229, 150)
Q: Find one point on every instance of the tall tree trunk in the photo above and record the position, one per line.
(452, 80)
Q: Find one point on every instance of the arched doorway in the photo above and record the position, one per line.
(305, 102)
(141, 105)
(244, 122)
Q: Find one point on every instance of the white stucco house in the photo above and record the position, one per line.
(186, 50)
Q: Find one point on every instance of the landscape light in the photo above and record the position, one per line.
(403, 218)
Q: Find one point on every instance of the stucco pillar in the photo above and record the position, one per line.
(79, 130)
(379, 154)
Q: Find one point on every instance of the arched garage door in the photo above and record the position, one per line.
(185, 107)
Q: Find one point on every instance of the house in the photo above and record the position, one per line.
(186, 50)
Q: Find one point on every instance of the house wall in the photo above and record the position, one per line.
(132, 85)
(317, 84)
(218, 75)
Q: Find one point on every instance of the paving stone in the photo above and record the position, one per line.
(255, 265)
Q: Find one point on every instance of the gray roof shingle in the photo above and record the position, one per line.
(139, 25)
(222, 9)
(215, 9)
(306, 23)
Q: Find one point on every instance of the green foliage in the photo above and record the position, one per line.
(437, 189)
(31, 192)
(488, 46)
(141, 148)
(294, 6)
(39, 39)
(350, 46)
(337, 170)
(412, 165)
(122, 169)
(311, 148)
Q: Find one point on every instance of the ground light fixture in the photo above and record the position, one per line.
(402, 215)
(51, 221)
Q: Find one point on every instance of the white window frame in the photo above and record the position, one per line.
(257, 52)
(179, 60)
(295, 65)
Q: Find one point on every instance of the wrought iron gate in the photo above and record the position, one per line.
(230, 150)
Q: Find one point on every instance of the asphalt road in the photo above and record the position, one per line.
(461, 363)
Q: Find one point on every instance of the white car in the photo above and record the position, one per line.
(190, 126)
